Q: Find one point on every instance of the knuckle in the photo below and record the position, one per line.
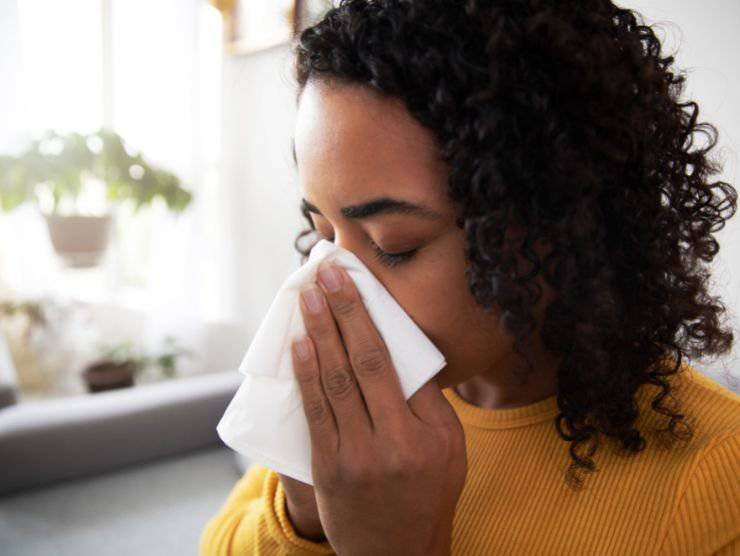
(370, 362)
(345, 308)
(305, 374)
(338, 382)
(356, 474)
(317, 412)
(402, 462)
(320, 327)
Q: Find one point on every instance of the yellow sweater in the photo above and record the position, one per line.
(684, 500)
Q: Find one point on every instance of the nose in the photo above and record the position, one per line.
(345, 241)
(341, 239)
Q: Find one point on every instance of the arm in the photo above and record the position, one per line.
(706, 519)
(254, 520)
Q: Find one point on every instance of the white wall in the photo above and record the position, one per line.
(259, 111)
(258, 118)
(10, 69)
(705, 42)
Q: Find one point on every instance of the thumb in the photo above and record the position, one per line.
(430, 405)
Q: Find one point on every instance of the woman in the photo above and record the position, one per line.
(522, 178)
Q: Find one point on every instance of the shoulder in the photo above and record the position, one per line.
(705, 513)
(710, 389)
(714, 412)
(707, 435)
(716, 407)
(711, 410)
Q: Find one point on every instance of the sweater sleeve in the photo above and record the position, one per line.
(706, 520)
(253, 520)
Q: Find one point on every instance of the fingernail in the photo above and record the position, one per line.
(312, 298)
(331, 278)
(301, 349)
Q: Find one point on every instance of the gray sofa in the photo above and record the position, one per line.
(131, 471)
(45, 442)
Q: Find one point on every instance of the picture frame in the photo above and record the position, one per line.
(251, 26)
(310, 11)
(254, 25)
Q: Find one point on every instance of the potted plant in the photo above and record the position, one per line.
(56, 171)
(119, 365)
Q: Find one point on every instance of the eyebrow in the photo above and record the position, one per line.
(382, 205)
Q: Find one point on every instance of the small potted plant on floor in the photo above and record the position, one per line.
(61, 175)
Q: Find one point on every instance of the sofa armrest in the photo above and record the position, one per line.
(8, 395)
(51, 440)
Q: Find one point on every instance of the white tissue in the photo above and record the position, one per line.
(265, 420)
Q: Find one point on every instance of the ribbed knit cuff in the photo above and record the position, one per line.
(280, 525)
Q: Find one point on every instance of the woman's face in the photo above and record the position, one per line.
(352, 147)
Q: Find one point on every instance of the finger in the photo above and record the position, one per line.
(321, 424)
(338, 380)
(368, 354)
(430, 405)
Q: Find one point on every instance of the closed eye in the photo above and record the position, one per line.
(388, 259)
(391, 259)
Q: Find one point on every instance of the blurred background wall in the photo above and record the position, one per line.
(258, 118)
(223, 122)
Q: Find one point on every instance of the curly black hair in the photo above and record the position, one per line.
(561, 116)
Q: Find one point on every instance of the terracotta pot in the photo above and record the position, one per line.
(109, 375)
(80, 241)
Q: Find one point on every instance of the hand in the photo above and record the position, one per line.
(387, 472)
(302, 510)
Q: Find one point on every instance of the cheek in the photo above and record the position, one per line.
(438, 299)
(469, 337)
(433, 294)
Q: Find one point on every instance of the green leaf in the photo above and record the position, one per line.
(65, 172)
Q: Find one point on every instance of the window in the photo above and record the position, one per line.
(151, 71)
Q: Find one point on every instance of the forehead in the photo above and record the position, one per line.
(351, 144)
